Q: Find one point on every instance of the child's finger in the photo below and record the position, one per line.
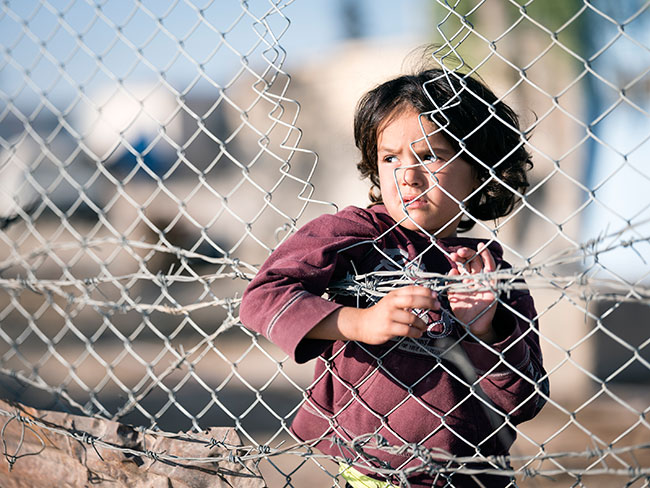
(457, 263)
(418, 324)
(487, 258)
(465, 252)
(462, 258)
(410, 301)
(406, 324)
(461, 271)
(413, 291)
(408, 331)
(476, 261)
(404, 317)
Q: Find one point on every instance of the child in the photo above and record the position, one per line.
(452, 372)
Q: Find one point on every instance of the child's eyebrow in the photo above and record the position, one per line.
(444, 152)
(418, 146)
(382, 148)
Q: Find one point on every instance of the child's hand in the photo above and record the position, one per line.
(392, 316)
(474, 309)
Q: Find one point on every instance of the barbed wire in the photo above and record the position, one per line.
(431, 460)
(586, 285)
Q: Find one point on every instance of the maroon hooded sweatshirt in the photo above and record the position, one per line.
(444, 391)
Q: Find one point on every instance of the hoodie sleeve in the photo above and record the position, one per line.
(284, 301)
(510, 372)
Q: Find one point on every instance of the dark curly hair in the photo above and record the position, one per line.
(473, 120)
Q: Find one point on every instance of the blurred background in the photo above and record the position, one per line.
(153, 153)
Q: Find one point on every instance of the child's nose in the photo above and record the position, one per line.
(412, 176)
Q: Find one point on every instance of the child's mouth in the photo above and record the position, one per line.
(414, 202)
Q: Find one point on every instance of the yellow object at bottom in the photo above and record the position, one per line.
(359, 480)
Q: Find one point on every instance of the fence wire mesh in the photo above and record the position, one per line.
(152, 156)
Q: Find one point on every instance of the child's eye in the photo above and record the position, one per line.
(432, 158)
(390, 159)
(429, 158)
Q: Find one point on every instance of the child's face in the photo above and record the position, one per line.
(402, 177)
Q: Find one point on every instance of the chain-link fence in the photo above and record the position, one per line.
(153, 154)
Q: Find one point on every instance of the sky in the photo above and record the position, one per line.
(59, 44)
